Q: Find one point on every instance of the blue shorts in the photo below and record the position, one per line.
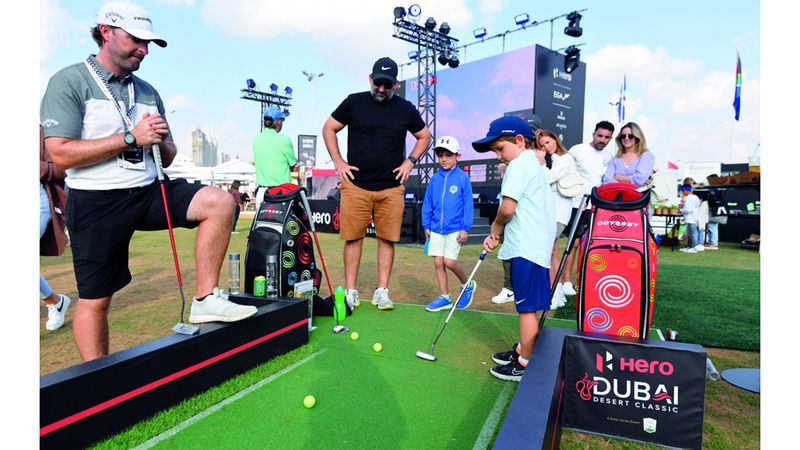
(531, 283)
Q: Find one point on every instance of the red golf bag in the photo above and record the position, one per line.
(281, 228)
(616, 280)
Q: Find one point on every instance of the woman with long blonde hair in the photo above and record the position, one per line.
(633, 162)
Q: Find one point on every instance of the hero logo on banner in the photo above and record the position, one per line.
(625, 389)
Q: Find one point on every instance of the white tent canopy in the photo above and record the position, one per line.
(235, 169)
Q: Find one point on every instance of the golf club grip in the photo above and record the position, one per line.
(157, 158)
(572, 230)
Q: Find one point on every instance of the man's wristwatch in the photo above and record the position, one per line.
(412, 159)
(130, 139)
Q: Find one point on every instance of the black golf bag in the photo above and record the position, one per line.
(281, 227)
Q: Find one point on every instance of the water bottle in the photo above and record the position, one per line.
(340, 309)
(233, 273)
(272, 276)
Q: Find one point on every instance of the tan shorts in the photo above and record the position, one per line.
(358, 206)
(444, 245)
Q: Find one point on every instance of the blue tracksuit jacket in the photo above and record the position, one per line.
(447, 207)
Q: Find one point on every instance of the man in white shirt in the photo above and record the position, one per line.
(592, 159)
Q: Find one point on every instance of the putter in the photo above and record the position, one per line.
(567, 250)
(429, 356)
(181, 327)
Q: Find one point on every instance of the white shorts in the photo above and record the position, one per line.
(444, 245)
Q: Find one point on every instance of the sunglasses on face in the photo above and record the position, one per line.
(626, 136)
(386, 84)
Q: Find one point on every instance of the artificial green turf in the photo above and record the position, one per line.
(367, 399)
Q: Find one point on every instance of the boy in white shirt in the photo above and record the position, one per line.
(690, 208)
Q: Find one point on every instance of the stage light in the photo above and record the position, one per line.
(443, 59)
(444, 28)
(413, 55)
(285, 113)
(414, 12)
(574, 28)
(522, 19)
(251, 84)
(288, 91)
(573, 59)
(273, 87)
(453, 62)
(399, 12)
(479, 32)
(430, 24)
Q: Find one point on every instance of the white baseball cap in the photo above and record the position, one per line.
(131, 18)
(448, 143)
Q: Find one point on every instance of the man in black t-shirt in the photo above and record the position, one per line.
(374, 172)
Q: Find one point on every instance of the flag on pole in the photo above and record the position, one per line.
(737, 96)
(671, 165)
(621, 102)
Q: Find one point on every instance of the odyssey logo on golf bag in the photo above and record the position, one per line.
(617, 261)
(281, 228)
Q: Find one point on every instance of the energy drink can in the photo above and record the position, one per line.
(260, 286)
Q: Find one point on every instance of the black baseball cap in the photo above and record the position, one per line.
(385, 69)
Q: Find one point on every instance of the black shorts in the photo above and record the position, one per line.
(101, 224)
(582, 225)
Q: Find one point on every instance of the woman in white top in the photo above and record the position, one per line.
(561, 164)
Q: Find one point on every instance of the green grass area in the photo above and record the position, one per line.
(711, 298)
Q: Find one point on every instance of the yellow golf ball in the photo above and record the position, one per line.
(309, 401)
(377, 346)
(354, 335)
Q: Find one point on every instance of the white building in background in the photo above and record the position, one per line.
(204, 148)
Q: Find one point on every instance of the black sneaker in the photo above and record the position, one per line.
(504, 358)
(509, 372)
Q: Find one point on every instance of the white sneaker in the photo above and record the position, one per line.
(351, 297)
(688, 250)
(558, 299)
(381, 299)
(504, 296)
(217, 308)
(568, 289)
(56, 313)
(699, 247)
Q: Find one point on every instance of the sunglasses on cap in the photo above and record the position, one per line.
(384, 83)
(627, 136)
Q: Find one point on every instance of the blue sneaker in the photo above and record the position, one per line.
(439, 303)
(466, 297)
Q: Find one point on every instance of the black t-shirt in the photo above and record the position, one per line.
(376, 137)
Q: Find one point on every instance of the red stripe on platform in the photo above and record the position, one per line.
(43, 431)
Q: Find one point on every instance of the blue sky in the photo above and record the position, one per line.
(679, 58)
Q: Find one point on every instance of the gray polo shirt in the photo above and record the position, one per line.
(75, 107)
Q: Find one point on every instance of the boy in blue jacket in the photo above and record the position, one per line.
(447, 218)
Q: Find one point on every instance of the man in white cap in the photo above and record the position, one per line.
(273, 154)
(100, 122)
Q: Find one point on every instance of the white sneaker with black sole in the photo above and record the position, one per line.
(56, 313)
(217, 308)
(505, 296)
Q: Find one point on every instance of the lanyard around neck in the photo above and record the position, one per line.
(103, 85)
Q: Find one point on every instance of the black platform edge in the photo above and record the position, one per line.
(83, 404)
(534, 418)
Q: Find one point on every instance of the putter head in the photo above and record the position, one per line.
(426, 356)
(185, 328)
(339, 329)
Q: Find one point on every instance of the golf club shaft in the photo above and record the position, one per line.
(572, 230)
(455, 303)
(316, 241)
(160, 172)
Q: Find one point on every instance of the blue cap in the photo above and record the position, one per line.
(504, 126)
(274, 113)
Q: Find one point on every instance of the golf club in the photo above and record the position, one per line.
(430, 356)
(181, 327)
(316, 241)
(567, 250)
